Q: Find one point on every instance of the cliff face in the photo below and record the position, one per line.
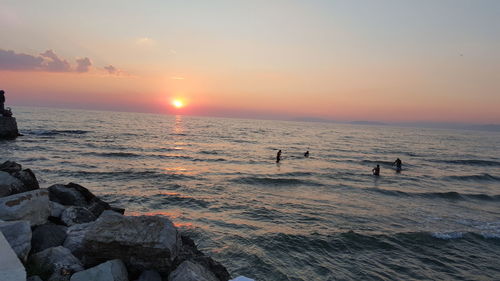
(8, 128)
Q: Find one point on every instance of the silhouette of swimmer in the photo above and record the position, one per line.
(306, 154)
(398, 163)
(2, 102)
(376, 170)
(278, 156)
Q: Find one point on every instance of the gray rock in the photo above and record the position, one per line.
(189, 251)
(142, 242)
(76, 195)
(9, 185)
(189, 271)
(32, 206)
(55, 263)
(76, 215)
(8, 128)
(34, 278)
(47, 236)
(113, 270)
(74, 238)
(11, 268)
(18, 234)
(28, 178)
(150, 275)
(56, 209)
(10, 167)
(66, 196)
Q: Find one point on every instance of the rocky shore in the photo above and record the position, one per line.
(64, 232)
(8, 128)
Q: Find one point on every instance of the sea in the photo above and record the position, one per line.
(325, 217)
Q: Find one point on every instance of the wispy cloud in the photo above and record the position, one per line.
(111, 69)
(145, 42)
(177, 78)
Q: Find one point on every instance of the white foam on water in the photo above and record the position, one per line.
(448, 235)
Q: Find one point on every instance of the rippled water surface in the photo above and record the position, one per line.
(319, 218)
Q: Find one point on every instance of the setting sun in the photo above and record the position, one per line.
(177, 103)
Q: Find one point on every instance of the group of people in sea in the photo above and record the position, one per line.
(398, 164)
(278, 155)
(376, 170)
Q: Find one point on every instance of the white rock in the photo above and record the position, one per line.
(32, 206)
(113, 270)
(141, 242)
(18, 234)
(11, 268)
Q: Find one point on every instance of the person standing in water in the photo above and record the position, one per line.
(376, 170)
(398, 163)
(278, 156)
(2, 102)
(306, 154)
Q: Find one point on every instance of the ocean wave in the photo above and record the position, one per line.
(469, 162)
(55, 132)
(162, 200)
(448, 235)
(480, 177)
(274, 181)
(383, 163)
(124, 175)
(352, 241)
(452, 195)
(112, 154)
(211, 152)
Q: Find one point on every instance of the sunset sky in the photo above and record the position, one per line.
(398, 61)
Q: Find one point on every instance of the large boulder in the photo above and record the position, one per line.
(8, 128)
(190, 252)
(66, 196)
(28, 178)
(10, 167)
(18, 234)
(32, 206)
(15, 180)
(76, 215)
(76, 195)
(56, 263)
(9, 185)
(11, 268)
(142, 242)
(189, 271)
(47, 236)
(74, 238)
(113, 270)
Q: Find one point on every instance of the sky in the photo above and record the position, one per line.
(383, 60)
